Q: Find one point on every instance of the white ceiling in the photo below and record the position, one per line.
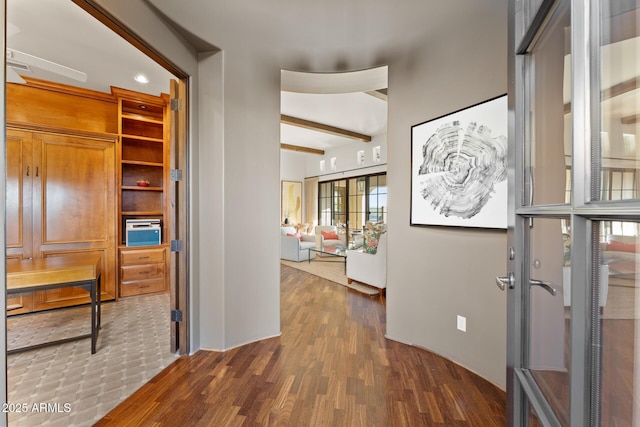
(61, 32)
(356, 112)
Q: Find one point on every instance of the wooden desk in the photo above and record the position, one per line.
(77, 270)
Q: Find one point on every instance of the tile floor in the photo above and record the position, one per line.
(65, 385)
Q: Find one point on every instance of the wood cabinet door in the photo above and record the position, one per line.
(74, 207)
(19, 174)
(19, 184)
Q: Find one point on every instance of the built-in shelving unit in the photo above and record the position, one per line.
(143, 155)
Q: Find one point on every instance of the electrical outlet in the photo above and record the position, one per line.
(462, 323)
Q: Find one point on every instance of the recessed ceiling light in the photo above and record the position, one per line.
(141, 78)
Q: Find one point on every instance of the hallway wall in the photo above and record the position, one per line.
(434, 273)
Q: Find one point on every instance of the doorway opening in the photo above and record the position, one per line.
(333, 150)
(126, 141)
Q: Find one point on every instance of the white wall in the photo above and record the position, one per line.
(346, 159)
(229, 172)
(208, 225)
(437, 273)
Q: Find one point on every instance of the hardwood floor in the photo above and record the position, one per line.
(332, 366)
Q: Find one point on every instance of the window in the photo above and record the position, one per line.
(350, 203)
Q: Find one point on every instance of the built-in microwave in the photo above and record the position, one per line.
(143, 232)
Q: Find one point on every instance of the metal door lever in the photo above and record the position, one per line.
(506, 281)
(545, 285)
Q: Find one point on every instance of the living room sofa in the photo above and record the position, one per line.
(368, 268)
(294, 248)
(322, 242)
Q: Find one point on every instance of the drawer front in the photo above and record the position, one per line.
(142, 287)
(143, 256)
(141, 272)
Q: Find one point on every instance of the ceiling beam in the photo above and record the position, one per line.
(630, 120)
(301, 149)
(380, 94)
(620, 88)
(307, 124)
(612, 92)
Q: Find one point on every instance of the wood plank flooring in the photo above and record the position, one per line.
(332, 366)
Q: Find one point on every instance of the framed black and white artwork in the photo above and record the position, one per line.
(459, 168)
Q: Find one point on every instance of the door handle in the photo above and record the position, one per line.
(506, 281)
(545, 285)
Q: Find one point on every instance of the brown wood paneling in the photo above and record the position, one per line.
(143, 202)
(134, 150)
(142, 128)
(131, 173)
(20, 304)
(141, 256)
(61, 200)
(19, 172)
(36, 106)
(176, 220)
(62, 180)
(142, 287)
(78, 189)
(142, 272)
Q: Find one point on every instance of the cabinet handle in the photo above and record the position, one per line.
(143, 257)
(27, 170)
(144, 272)
(37, 171)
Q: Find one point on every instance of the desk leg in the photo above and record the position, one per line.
(96, 311)
(93, 315)
(99, 297)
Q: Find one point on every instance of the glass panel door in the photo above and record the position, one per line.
(547, 358)
(548, 120)
(357, 208)
(616, 107)
(574, 227)
(545, 240)
(350, 203)
(540, 356)
(377, 199)
(340, 205)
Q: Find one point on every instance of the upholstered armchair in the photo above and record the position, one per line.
(368, 268)
(294, 246)
(330, 237)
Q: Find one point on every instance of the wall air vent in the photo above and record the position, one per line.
(18, 66)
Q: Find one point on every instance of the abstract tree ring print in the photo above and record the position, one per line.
(459, 168)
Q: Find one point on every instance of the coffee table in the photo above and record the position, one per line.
(334, 251)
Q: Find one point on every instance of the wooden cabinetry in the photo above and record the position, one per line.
(60, 200)
(143, 168)
(143, 270)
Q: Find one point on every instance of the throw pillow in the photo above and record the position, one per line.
(616, 245)
(370, 243)
(329, 235)
(298, 235)
(371, 236)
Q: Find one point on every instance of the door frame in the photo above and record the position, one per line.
(3, 197)
(179, 288)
